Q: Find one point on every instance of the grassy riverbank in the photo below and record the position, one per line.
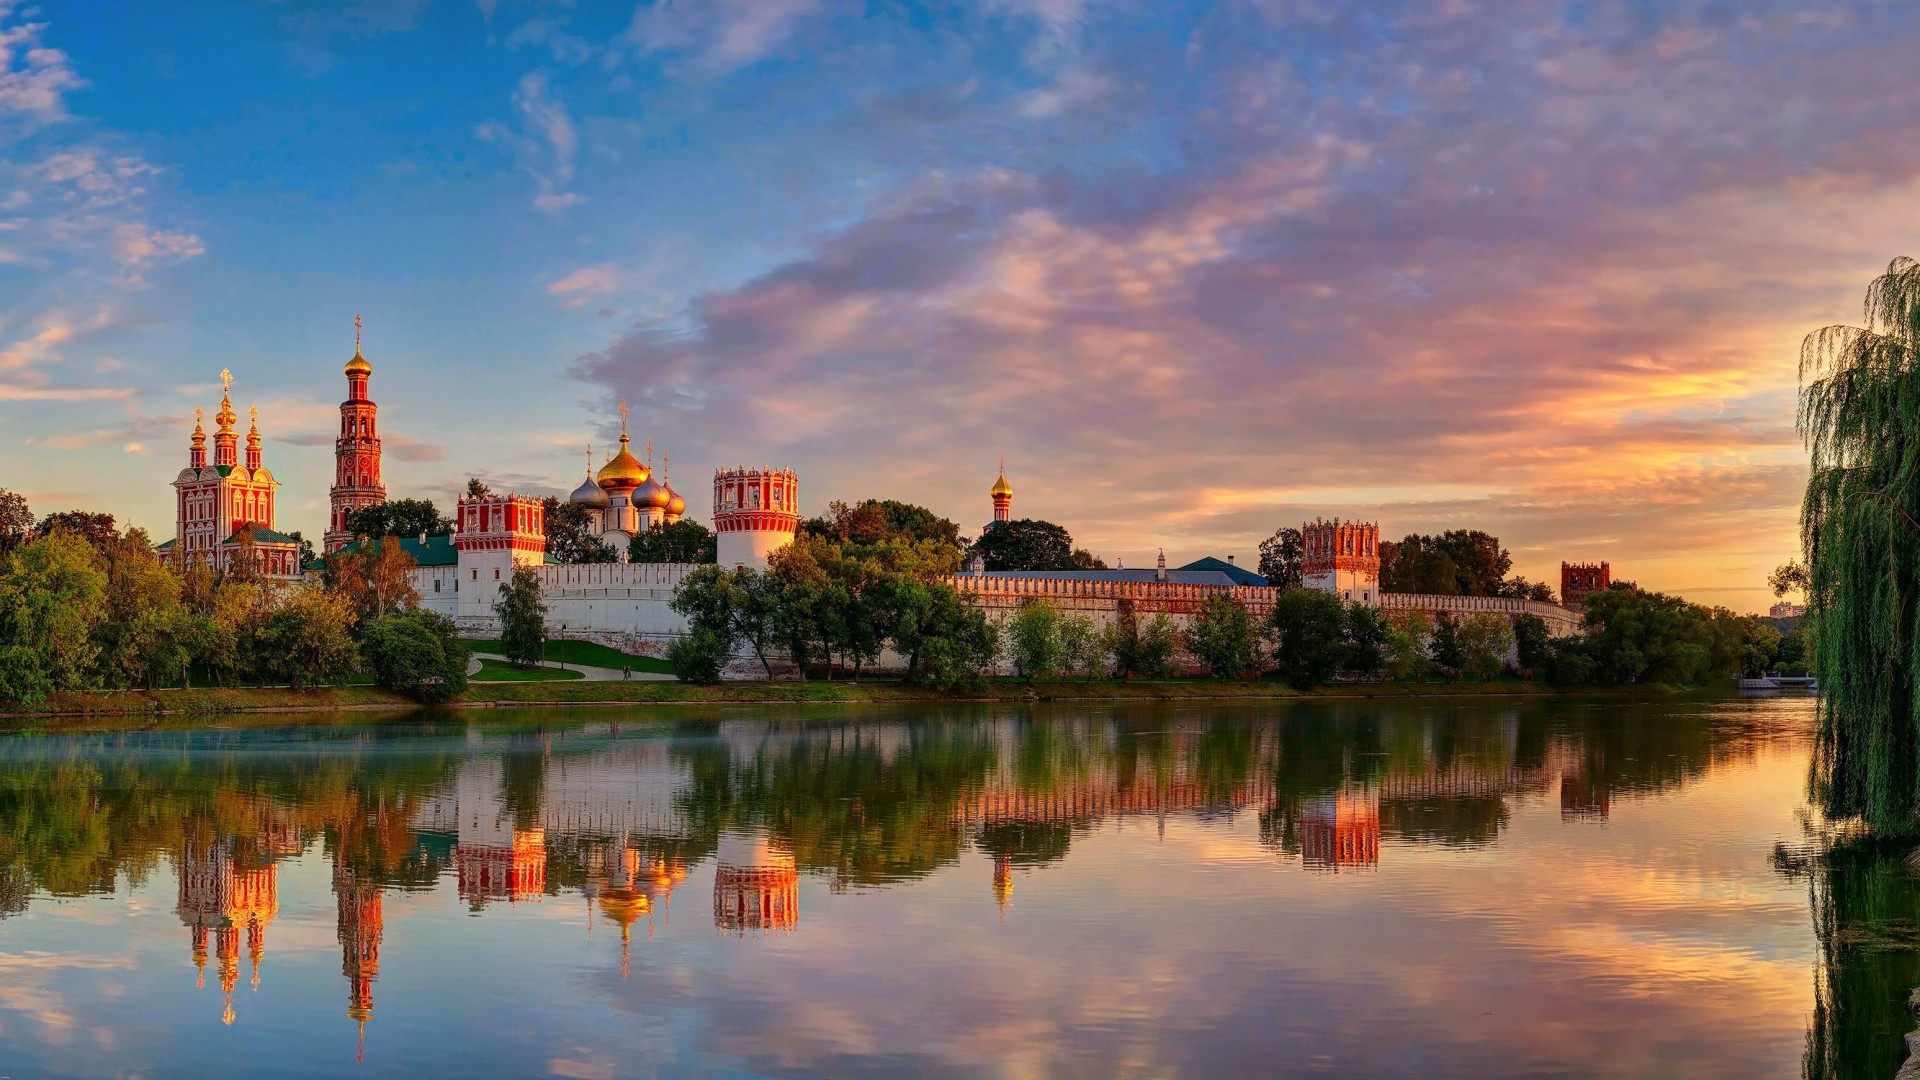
(214, 702)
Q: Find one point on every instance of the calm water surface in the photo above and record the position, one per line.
(1431, 889)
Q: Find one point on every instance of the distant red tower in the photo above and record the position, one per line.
(1578, 580)
(356, 453)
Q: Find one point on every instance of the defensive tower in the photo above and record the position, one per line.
(756, 512)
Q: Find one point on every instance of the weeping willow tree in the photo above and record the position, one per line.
(1860, 527)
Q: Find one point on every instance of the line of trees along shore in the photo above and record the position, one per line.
(86, 606)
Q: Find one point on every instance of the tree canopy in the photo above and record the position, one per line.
(1280, 556)
(1032, 544)
(1860, 417)
(684, 541)
(876, 521)
(399, 517)
(571, 537)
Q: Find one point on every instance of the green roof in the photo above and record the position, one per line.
(262, 535)
(164, 545)
(1240, 575)
(436, 551)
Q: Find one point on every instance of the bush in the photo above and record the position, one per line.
(1532, 644)
(417, 653)
(698, 655)
(1080, 650)
(1485, 641)
(1223, 637)
(1034, 637)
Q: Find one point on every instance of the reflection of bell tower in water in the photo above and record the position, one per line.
(360, 929)
(756, 885)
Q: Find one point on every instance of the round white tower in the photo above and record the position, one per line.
(755, 513)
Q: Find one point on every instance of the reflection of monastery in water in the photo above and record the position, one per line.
(625, 821)
(756, 886)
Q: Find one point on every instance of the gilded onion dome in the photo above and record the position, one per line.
(1000, 486)
(676, 506)
(625, 472)
(358, 365)
(652, 495)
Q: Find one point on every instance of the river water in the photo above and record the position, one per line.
(1443, 888)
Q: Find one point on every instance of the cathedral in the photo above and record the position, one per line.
(225, 510)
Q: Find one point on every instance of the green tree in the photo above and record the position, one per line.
(1033, 636)
(1788, 577)
(1638, 636)
(1405, 649)
(877, 521)
(756, 613)
(1280, 556)
(399, 517)
(374, 577)
(684, 541)
(1532, 643)
(1443, 646)
(53, 596)
(478, 488)
(571, 536)
(523, 618)
(699, 655)
(1366, 636)
(1759, 646)
(1309, 632)
(95, 529)
(710, 602)
(947, 640)
(1459, 562)
(145, 636)
(1223, 637)
(1485, 640)
(307, 641)
(16, 520)
(1080, 650)
(417, 653)
(1026, 544)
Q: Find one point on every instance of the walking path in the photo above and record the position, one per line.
(592, 674)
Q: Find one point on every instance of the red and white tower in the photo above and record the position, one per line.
(756, 512)
(1342, 557)
(356, 452)
(497, 532)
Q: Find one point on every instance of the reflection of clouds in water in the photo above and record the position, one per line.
(1163, 921)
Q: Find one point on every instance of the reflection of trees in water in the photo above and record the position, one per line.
(1866, 915)
(866, 801)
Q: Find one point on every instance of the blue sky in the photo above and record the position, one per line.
(1196, 270)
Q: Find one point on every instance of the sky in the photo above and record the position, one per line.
(1194, 270)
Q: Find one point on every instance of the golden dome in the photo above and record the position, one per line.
(676, 505)
(625, 472)
(624, 906)
(358, 365)
(1000, 486)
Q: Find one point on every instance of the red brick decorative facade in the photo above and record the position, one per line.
(1578, 580)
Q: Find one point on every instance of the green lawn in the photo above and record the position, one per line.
(591, 653)
(495, 671)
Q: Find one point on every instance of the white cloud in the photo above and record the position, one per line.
(1072, 91)
(721, 35)
(581, 286)
(546, 144)
(32, 76)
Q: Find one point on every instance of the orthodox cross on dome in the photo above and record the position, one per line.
(226, 380)
(253, 415)
(665, 459)
(356, 331)
(649, 453)
(623, 418)
(198, 412)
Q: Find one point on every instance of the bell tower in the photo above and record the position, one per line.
(356, 452)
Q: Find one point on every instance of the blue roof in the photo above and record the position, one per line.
(1176, 577)
(1240, 576)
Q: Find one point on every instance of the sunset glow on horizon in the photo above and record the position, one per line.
(1194, 270)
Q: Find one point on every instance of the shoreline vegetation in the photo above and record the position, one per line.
(214, 702)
